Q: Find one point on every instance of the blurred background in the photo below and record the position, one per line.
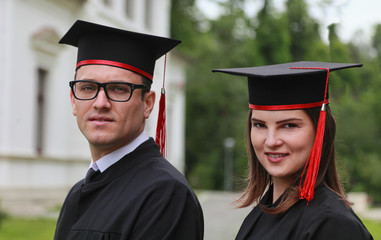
(42, 153)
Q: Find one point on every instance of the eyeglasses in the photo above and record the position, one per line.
(115, 91)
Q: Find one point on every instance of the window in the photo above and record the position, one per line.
(107, 2)
(130, 8)
(45, 50)
(148, 14)
(41, 85)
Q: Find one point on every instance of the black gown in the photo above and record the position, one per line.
(142, 196)
(325, 218)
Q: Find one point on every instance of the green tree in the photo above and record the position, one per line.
(306, 43)
(356, 106)
(272, 35)
(185, 24)
(217, 104)
(376, 42)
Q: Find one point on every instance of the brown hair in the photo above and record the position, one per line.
(259, 180)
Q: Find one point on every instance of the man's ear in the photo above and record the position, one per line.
(72, 99)
(149, 102)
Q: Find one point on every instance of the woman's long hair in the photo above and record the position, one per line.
(259, 180)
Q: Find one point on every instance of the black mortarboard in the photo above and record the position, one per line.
(296, 85)
(98, 44)
(292, 85)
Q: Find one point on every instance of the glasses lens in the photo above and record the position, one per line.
(119, 91)
(85, 90)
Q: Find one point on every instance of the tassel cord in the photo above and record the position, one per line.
(161, 120)
(311, 168)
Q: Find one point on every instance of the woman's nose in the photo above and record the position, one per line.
(273, 139)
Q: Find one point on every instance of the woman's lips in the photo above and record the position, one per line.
(276, 157)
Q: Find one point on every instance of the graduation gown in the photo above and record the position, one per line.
(142, 196)
(325, 218)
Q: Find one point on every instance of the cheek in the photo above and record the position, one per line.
(257, 140)
(81, 109)
(303, 144)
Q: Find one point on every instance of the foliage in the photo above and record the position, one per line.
(3, 217)
(275, 48)
(304, 32)
(28, 229)
(216, 106)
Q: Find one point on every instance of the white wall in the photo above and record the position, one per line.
(30, 32)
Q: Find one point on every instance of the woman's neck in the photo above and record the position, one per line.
(279, 186)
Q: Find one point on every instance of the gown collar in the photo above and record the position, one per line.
(108, 160)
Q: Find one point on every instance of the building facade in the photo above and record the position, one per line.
(42, 152)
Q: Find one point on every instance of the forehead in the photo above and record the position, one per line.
(280, 115)
(104, 73)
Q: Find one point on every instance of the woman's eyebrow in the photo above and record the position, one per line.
(256, 120)
(290, 120)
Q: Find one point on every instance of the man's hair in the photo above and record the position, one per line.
(148, 83)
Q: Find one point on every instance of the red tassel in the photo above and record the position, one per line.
(313, 162)
(160, 127)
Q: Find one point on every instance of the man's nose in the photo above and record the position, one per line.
(101, 100)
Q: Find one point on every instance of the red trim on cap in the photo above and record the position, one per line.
(288, 107)
(115, 64)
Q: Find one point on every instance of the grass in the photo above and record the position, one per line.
(43, 229)
(374, 227)
(27, 229)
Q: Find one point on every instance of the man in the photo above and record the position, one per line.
(130, 191)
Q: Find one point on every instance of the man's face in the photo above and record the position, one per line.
(109, 125)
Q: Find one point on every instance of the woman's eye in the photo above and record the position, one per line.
(290, 125)
(258, 125)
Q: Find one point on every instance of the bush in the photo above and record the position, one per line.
(3, 216)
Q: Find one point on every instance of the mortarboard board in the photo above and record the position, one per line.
(295, 85)
(99, 44)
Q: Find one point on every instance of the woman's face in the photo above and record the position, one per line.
(282, 141)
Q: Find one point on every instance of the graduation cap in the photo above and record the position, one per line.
(295, 85)
(137, 52)
(99, 44)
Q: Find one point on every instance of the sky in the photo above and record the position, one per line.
(356, 18)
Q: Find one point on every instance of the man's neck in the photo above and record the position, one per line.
(112, 157)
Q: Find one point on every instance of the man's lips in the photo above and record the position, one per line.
(100, 119)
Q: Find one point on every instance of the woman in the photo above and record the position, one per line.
(293, 174)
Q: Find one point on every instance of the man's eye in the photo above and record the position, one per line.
(88, 88)
(120, 89)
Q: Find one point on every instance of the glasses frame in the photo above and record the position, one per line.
(104, 85)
